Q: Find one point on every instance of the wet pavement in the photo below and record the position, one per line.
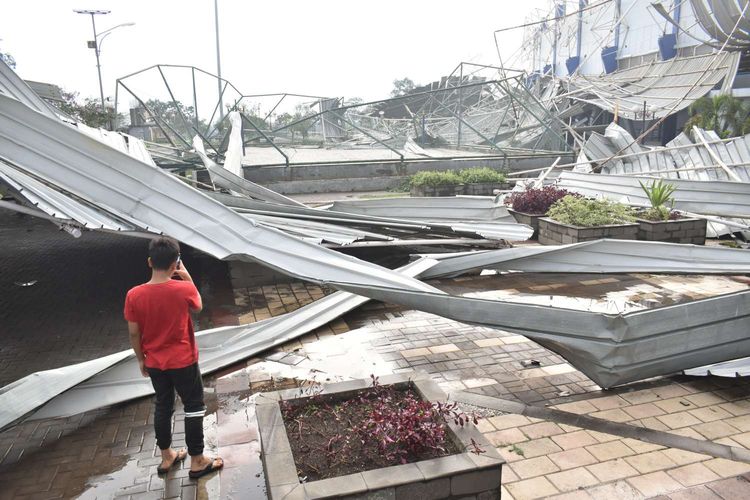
(111, 453)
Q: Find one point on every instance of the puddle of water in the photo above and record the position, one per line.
(107, 485)
(654, 291)
(239, 446)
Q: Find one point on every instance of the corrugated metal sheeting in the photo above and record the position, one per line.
(610, 349)
(724, 21)
(721, 198)
(682, 158)
(665, 86)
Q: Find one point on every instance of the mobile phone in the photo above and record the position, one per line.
(179, 261)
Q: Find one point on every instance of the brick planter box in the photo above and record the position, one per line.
(553, 233)
(485, 188)
(528, 219)
(691, 231)
(433, 191)
(464, 475)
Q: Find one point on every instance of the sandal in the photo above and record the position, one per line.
(181, 455)
(207, 470)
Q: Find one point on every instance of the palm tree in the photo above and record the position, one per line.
(724, 114)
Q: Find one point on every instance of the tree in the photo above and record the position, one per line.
(300, 125)
(89, 112)
(402, 87)
(724, 114)
(251, 113)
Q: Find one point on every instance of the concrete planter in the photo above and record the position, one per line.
(433, 191)
(554, 233)
(485, 188)
(464, 475)
(692, 231)
(528, 219)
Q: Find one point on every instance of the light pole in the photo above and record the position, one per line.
(96, 44)
(218, 57)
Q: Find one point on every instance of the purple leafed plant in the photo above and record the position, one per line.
(380, 426)
(536, 201)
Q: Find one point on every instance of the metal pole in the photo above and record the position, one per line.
(195, 100)
(218, 58)
(460, 107)
(98, 66)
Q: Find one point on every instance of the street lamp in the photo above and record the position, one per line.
(96, 43)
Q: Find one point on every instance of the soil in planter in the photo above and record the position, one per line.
(331, 437)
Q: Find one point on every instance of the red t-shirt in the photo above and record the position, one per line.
(162, 311)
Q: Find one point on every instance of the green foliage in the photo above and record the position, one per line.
(656, 213)
(465, 176)
(402, 87)
(583, 212)
(724, 114)
(431, 178)
(481, 175)
(89, 112)
(659, 193)
(299, 124)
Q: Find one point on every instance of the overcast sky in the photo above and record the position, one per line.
(324, 47)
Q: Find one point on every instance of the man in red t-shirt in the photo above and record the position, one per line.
(161, 333)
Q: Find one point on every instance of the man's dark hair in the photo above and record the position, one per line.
(163, 252)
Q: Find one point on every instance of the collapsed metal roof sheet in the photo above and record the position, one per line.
(463, 208)
(682, 158)
(734, 368)
(585, 330)
(661, 84)
(611, 349)
(724, 21)
(128, 187)
(12, 86)
(318, 231)
(728, 199)
(600, 256)
(226, 179)
(491, 229)
(57, 204)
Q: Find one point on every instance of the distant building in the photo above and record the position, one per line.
(631, 56)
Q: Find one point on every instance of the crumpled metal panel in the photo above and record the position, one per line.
(463, 208)
(57, 204)
(317, 231)
(721, 25)
(490, 229)
(28, 393)
(671, 161)
(11, 85)
(610, 349)
(729, 199)
(731, 369)
(660, 83)
(124, 186)
(600, 256)
(225, 179)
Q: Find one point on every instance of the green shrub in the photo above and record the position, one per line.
(478, 175)
(659, 193)
(584, 212)
(431, 178)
